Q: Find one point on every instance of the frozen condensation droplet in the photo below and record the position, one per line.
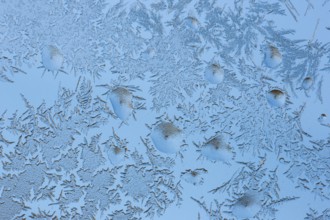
(324, 120)
(121, 100)
(214, 74)
(247, 206)
(52, 59)
(217, 149)
(194, 176)
(116, 154)
(307, 83)
(167, 137)
(192, 22)
(276, 98)
(273, 57)
(148, 54)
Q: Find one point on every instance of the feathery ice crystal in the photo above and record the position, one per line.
(47, 154)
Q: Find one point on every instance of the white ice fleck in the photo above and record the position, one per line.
(52, 59)
(276, 98)
(116, 154)
(324, 120)
(307, 83)
(247, 206)
(214, 74)
(167, 137)
(273, 57)
(192, 22)
(194, 176)
(217, 149)
(121, 100)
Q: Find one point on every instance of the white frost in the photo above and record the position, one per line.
(194, 176)
(52, 59)
(121, 100)
(247, 206)
(324, 120)
(217, 149)
(167, 138)
(192, 22)
(273, 57)
(116, 155)
(214, 74)
(307, 83)
(276, 98)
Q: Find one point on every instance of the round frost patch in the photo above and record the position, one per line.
(217, 149)
(273, 57)
(52, 59)
(121, 100)
(214, 74)
(276, 98)
(167, 138)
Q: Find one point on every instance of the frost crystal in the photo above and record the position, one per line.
(235, 104)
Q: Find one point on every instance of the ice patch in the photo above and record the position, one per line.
(194, 176)
(116, 154)
(273, 57)
(217, 149)
(276, 98)
(214, 74)
(52, 59)
(121, 100)
(307, 83)
(247, 206)
(167, 138)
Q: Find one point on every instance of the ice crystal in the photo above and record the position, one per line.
(255, 192)
(155, 188)
(232, 81)
(309, 167)
(313, 215)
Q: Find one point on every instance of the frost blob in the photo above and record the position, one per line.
(217, 149)
(307, 83)
(148, 54)
(276, 98)
(52, 59)
(116, 154)
(273, 57)
(247, 206)
(121, 100)
(214, 74)
(324, 120)
(194, 176)
(192, 22)
(167, 137)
